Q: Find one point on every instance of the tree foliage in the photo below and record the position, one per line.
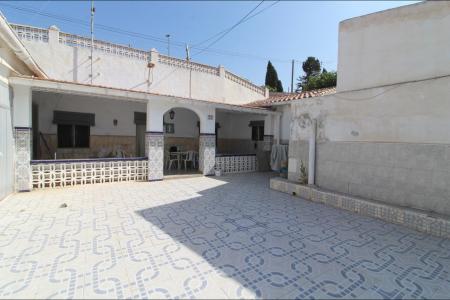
(272, 81)
(322, 80)
(279, 86)
(311, 66)
(271, 89)
(313, 78)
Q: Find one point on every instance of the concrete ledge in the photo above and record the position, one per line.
(415, 219)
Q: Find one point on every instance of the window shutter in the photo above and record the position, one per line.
(73, 118)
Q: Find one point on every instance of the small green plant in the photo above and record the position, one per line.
(303, 173)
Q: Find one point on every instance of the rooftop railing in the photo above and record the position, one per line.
(181, 63)
(30, 33)
(245, 82)
(74, 40)
(42, 35)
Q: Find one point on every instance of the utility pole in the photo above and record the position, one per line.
(168, 44)
(92, 39)
(292, 76)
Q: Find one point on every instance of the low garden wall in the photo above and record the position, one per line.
(236, 163)
(55, 173)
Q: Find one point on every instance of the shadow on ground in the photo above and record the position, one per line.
(274, 245)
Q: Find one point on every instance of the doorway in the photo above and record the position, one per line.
(181, 142)
(140, 140)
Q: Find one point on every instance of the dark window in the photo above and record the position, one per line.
(65, 136)
(217, 132)
(82, 134)
(73, 136)
(257, 133)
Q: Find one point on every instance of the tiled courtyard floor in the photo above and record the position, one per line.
(227, 237)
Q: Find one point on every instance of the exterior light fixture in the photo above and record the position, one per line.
(171, 114)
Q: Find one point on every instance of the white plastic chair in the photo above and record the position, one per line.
(172, 158)
(190, 157)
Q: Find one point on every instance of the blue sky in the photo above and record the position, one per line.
(287, 30)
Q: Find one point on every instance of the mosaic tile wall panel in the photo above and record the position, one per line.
(415, 219)
(206, 238)
(237, 164)
(70, 173)
(207, 153)
(155, 145)
(147, 143)
(22, 140)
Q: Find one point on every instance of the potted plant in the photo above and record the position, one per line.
(303, 173)
(217, 171)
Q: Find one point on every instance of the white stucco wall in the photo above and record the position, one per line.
(389, 144)
(10, 61)
(397, 45)
(185, 123)
(6, 140)
(235, 125)
(158, 106)
(285, 122)
(9, 65)
(68, 63)
(417, 112)
(105, 110)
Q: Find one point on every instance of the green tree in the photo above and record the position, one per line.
(272, 78)
(311, 66)
(279, 86)
(320, 81)
(271, 89)
(313, 78)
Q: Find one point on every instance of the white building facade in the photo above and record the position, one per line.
(383, 134)
(125, 119)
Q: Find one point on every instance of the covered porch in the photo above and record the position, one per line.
(69, 134)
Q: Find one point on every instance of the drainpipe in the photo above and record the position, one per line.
(312, 153)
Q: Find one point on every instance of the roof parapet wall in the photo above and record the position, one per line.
(36, 34)
(10, 38)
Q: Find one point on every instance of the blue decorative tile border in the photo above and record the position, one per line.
(65, 161)
(207, 134)
(23, 128)
(415, 219)
(231, 155)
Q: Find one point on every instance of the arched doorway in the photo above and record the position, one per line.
(181, 128)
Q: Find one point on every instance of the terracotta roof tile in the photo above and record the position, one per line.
(275, 98)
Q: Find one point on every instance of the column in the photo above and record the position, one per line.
(154, 143)
(207, 153)
(207, 142)
(22, 138)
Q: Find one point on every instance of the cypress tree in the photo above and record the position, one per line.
(279, 86)
(271, 77)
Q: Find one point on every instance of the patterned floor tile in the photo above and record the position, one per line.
(224, 237)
